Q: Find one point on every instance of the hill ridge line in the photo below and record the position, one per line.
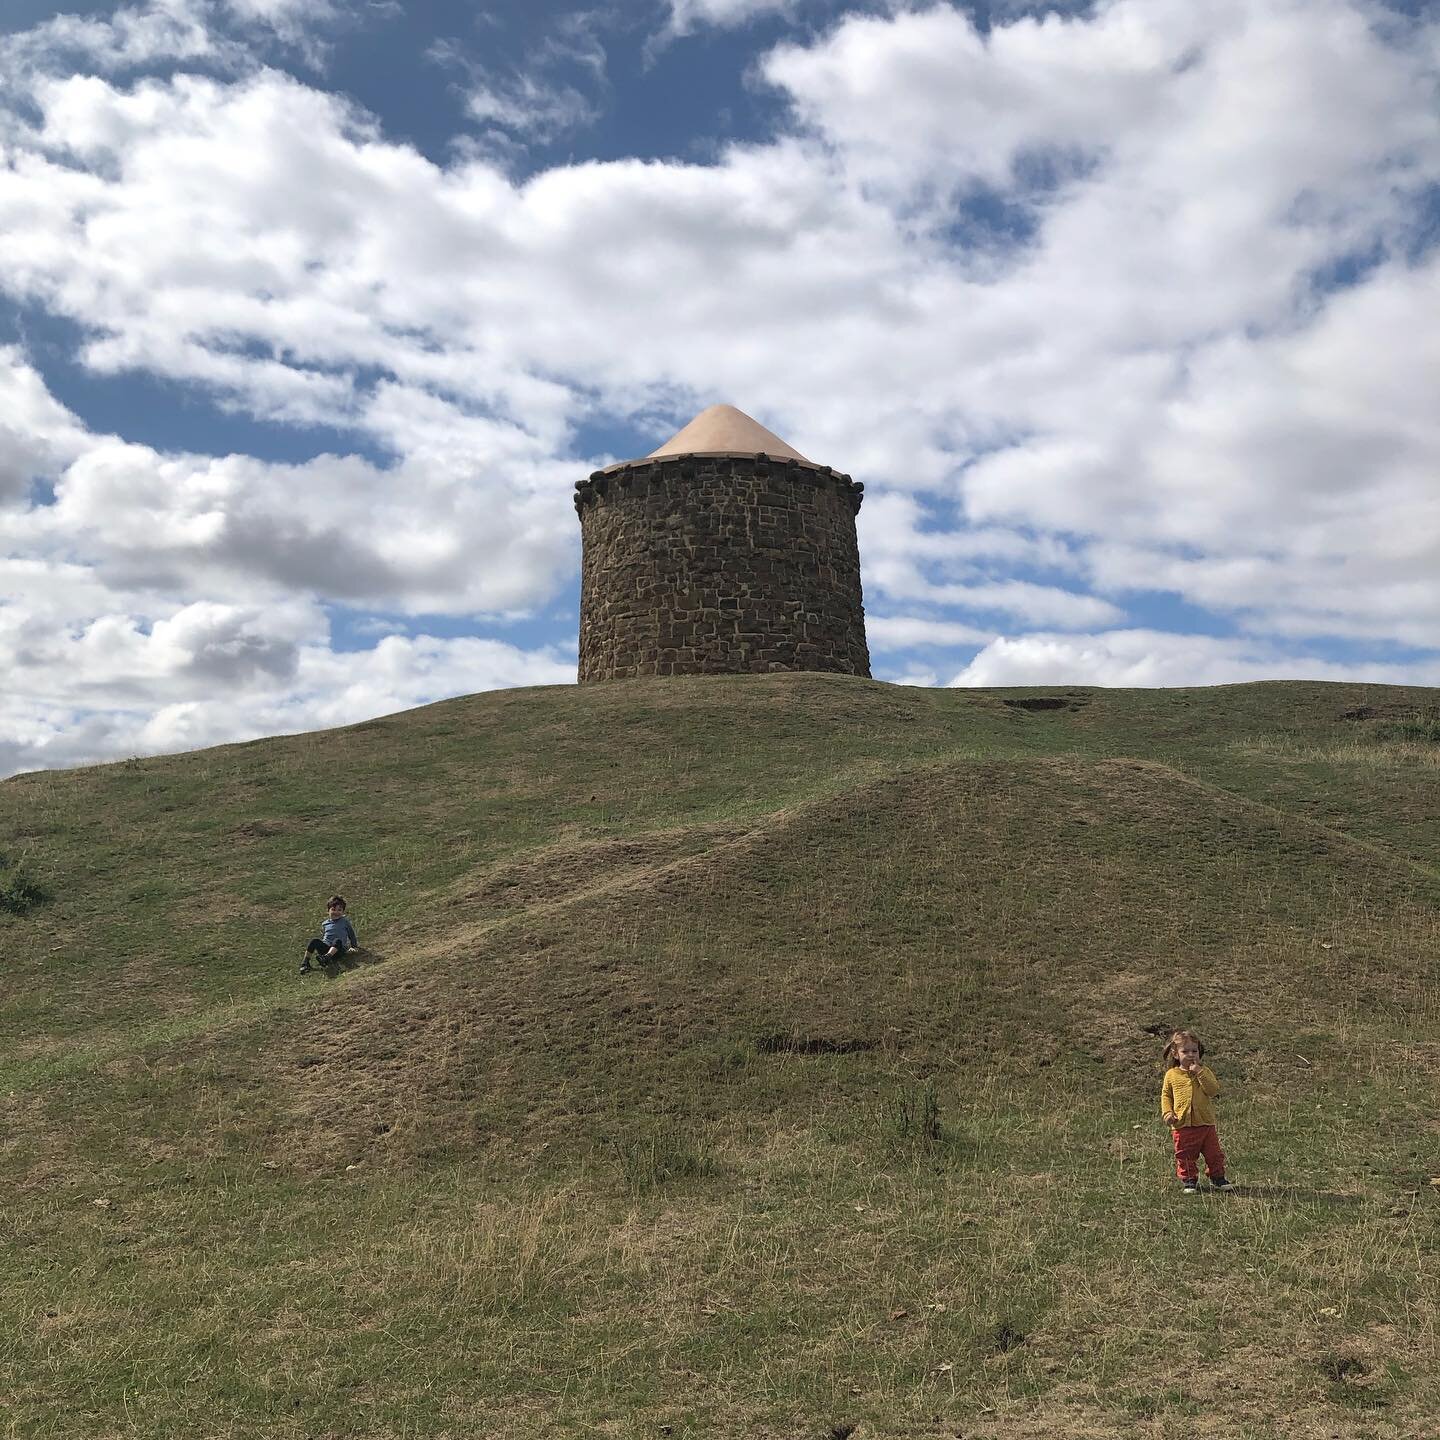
(1429, 872)
(642, 877)
(766, 828)
(217, 1021)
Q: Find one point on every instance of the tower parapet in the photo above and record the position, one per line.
(724, 551)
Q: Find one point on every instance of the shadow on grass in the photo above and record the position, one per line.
(344, 964)
(1297, 1195)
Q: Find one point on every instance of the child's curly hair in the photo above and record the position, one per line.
(1177, 1037)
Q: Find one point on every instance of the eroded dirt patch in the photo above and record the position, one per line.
(1038, 703)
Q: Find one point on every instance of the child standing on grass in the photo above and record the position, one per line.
(337, 935)
(1187, 1104)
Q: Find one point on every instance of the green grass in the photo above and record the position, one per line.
(761, 1056)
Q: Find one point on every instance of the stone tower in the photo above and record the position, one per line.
(722, 552)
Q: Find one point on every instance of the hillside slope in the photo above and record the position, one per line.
(719, 1027)
(945, 916)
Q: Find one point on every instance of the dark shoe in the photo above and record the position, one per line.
(305, 968)
(1221, 1183)
(1191, 1187)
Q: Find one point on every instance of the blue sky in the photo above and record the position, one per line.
(311, 314)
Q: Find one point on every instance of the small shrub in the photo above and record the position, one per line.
(658, 1159)
(908, 1123)
(20, 892)
(916, 1116)
(1005, 1337)
(1338, 1368)
(1356, 1382)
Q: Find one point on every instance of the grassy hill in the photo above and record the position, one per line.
(767, 1056)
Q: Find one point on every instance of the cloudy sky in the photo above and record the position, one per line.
(312, 311)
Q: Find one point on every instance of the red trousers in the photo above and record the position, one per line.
(1195, 1140)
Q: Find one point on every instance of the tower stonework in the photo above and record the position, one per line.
(723, 552)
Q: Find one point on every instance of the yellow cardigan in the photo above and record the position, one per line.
(1189, 1097)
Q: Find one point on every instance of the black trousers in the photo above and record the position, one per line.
(319, 947)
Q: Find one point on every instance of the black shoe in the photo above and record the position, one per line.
(1219, 1182)
(305, 968)
(1191, 1187)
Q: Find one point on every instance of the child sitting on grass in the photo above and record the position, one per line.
(1187, 1103)
(337, 935)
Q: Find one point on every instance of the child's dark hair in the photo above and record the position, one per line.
(335, 900)
(1172, 1049)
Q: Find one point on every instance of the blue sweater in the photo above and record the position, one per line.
(338, 932)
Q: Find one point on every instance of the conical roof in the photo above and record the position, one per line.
(724, 430)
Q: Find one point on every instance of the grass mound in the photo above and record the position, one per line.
(771, 1055)
(891, 924)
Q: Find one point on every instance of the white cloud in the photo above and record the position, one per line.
(105, 655)
(914, 676)
(911, 632)
(908, 557)
(120, 660)
(336, 527)
(557, 87)
(203, 662)
(690, 15)
(1290, 483)
(1146, 658)
(217, 34)
(344, 253)
(899, 526)
(926, 94)
(134, 36)
(283, 14)
(1229, 90)
(1035, 604)
(341, 252)
(530, 107)
(37, 433)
